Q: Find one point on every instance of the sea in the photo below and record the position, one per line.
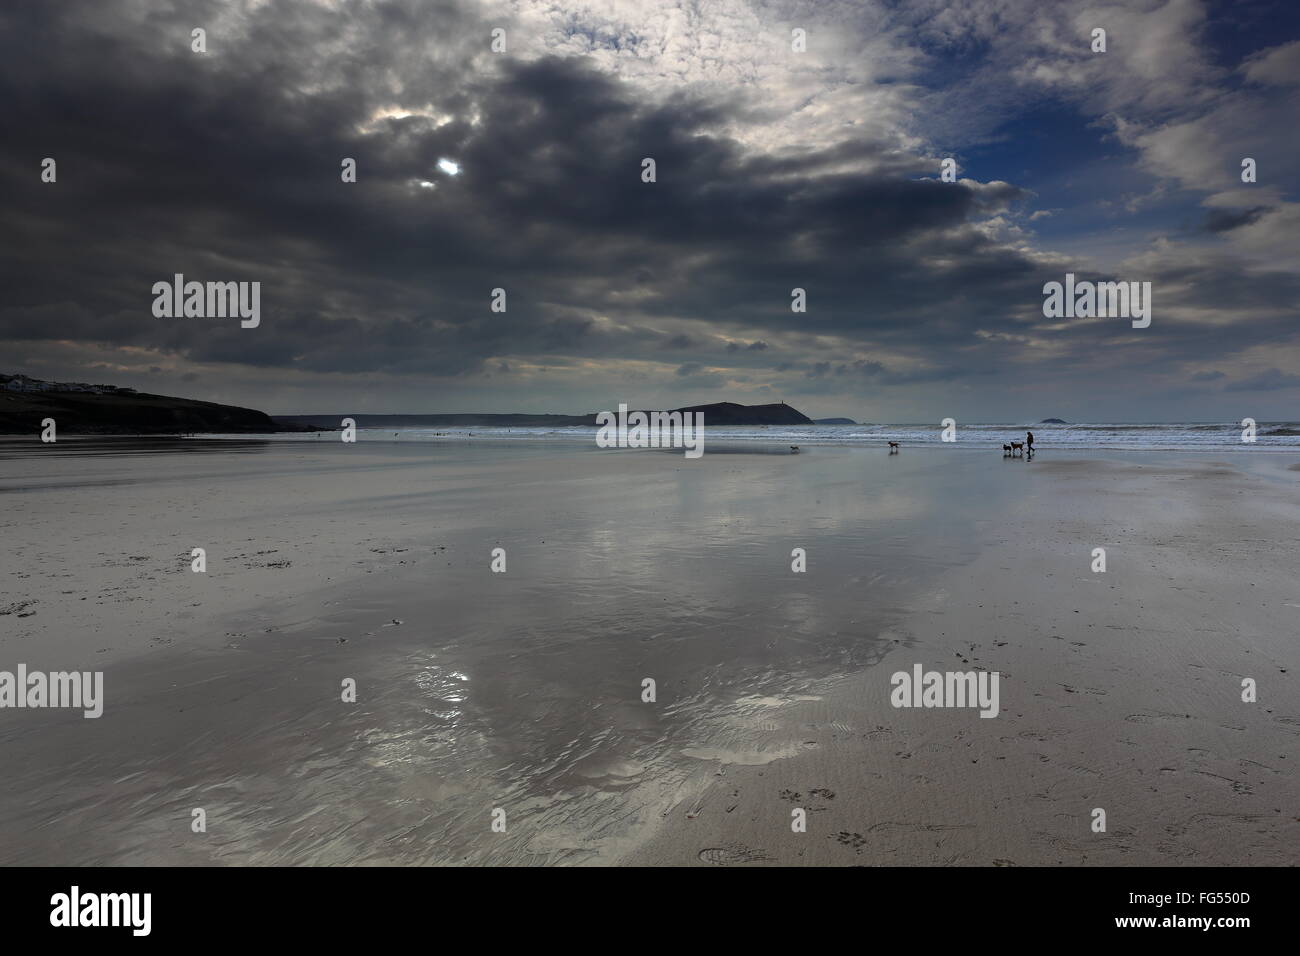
(1143, 436)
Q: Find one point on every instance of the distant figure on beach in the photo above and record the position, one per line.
(1029, 443)
(893, 447)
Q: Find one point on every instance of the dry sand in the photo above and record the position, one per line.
(523, 690)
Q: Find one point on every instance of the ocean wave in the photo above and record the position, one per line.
(1188, 436)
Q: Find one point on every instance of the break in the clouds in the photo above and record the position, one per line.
(776, 169)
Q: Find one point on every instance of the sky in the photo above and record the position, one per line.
(775, 168)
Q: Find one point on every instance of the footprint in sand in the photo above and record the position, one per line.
(855, 840)
(732, 854)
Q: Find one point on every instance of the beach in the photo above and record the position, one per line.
(524, 690)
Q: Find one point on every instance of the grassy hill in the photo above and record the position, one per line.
(78, 413)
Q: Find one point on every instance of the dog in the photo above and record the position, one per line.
(1006, 450)
(794, 449)
(893, 447)
(1018, 446)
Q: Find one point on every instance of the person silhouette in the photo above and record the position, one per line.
(1029, 443)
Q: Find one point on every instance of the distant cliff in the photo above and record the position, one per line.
(80, 413)
(729, 413)
(719, 413)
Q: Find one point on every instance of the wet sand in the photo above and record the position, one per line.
(523, 690)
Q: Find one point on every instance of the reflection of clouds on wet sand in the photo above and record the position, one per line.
(519, 690)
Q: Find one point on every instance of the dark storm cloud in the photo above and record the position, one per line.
(1267, 381)
(1225, 220)
(226, 166)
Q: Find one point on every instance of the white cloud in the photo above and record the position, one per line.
(1279, 66)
